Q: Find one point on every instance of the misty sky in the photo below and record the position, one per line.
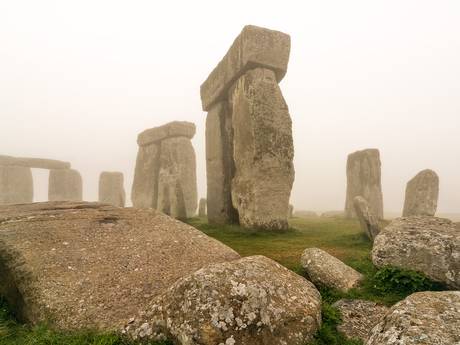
(80, 79)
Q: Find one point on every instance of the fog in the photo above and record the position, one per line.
(80, 79)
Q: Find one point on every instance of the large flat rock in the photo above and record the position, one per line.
(254, 47)
(39, 163)
(88, 265)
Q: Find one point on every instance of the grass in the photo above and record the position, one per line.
(341, 238)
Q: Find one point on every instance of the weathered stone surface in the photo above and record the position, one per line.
(254, 47)
(88, 265)
(111, 190)
(219, 165)
(423, 318)
(359, 317)
(39, 163)
(263, 151)
(290, 211)
(305, 214)
(333, 214)
(426, 244)
(202, 208)
(326, 270)
(65, 185)
(177, 189)
(16, 185)
(144, 193)
(253, 301)
(369, 222)
(364, 179)
(422, 194)
(169, 130)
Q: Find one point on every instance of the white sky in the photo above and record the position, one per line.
(80, 79)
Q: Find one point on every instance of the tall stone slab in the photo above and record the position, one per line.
(364, 179)
(65, 185)
(144, 193)
(111, 190)
(368, 221)
(422, 194)
(16, 185)
(202, 208)
(177, 189)
(263, 151)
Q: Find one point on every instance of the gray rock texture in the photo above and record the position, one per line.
(364, 179)
(425, 244)
(202, 208)
(359, 317)
(291, 211)
(263, 151)
(368, 221)
(144, 193)
(326, 270)
(177, 190)
(65, 185)
(422, 194)
(423, 318)
(111, 190)
(94, 266)
(16, 184)
(38, 163)
(219, 165)
(254, 47)
(169, 130)
(253, 301)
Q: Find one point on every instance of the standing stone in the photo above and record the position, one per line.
(65, 185)
(369, 222)
(291, 211)
(144, 192)
(177, 191)
(219, 165)
(111, 190)
(16, 185)
(422, 194)
(263, 151)
(202, 208)
(364, 179)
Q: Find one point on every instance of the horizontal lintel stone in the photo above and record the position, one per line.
(38, 163)
(171, 129)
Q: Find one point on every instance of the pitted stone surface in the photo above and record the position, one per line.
(423, 318)
(425, 244)
(324, 269)
(254, 47)
(263, 151)
(65, 185)
(359, 317)
(111, 190)
(39, 163)
(253, 301)
(89, 265)
(144, 193)
(422, 194)
(368, 221)
(364, 179)
(169, 130)
(16, 185)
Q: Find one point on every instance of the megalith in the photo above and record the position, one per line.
(249, 147)
(368, 221)
(422, 193)
(111, 190)
(165, 174)
(364, 179)
(65, 185)
(202, 208)
(16, 184)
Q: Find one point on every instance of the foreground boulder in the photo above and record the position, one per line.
(89, 265)
(368, 221)
(423, 318)
(425, 244)
(325, 270)
(251, 301)
(358, 317)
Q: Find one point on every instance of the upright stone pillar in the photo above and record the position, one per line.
(422, 194)
(165, 175)
(111, 190)
(249, 149)
(65, 185)
(202, 208)
(364, 179)
(16, 185)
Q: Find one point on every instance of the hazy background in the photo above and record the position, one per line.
(80, 79)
